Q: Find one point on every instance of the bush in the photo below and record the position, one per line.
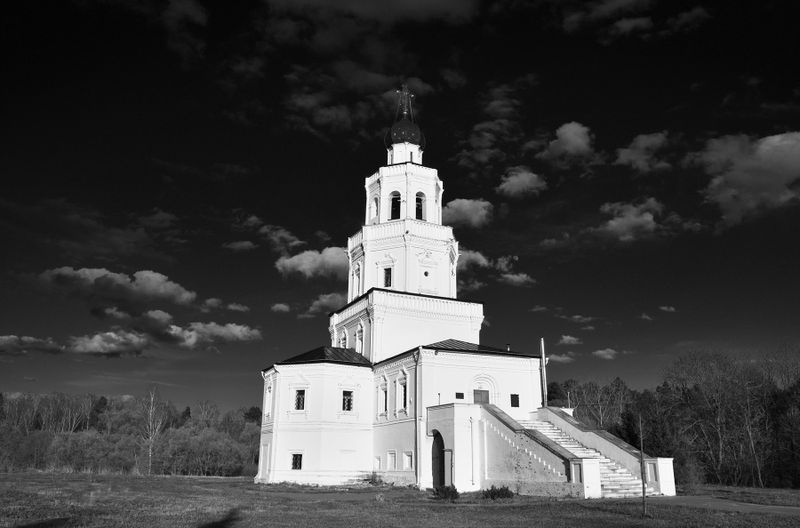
(374, 479)
(445, 493)
(498, 493)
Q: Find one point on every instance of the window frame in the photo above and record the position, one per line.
(515, 400)
(297, 394)
(348, 399)
(297, 461)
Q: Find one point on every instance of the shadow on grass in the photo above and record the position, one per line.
(225, 522)
(49, 523)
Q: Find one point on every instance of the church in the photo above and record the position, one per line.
(405, 391)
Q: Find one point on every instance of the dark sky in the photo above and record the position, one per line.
(178, 178)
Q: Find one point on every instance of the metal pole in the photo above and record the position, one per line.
(544, 372)
(641, 463)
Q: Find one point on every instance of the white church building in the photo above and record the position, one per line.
(405, 390)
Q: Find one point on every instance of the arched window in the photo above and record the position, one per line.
(395, 206)
(420, 206)
(343, 340)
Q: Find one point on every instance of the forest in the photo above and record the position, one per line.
(724, 420)
(140, 435)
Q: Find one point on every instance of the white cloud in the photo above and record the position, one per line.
(566, 357)
(201, 333)
(211, 303)
(687, 20)
(569, 340)
(280, 239)
(519, 182)
(11, 345)
(630, 25)
(100, 283)
(112, 343)
(580, 319)
(252, 222)
(159, 316)
(751, 175)
(573, 140)
(236, 307)
(670, 309)
(158, 219)
(641, 153)
(115, 313)
(606, 353)
(280, 308)
(645, 317)
(631, 221)
(330, 262)
(325, 303)
(539, 308)
(468, 259)
(516, 279)
(240, 246)
(508, 275)
(463, 212)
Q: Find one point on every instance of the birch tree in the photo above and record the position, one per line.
(153, 414)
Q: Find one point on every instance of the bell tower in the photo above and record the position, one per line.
(402, 253)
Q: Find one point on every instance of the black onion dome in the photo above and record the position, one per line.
(404, 130)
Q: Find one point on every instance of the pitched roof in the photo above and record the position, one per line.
(328, 354)
(457, 345)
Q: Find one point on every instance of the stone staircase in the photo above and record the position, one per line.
(615, 480)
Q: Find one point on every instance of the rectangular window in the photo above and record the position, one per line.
(297, 461)
(385, 395)
(299, 400)
(387, 277)
(347, 400)
(404, 389)
(515, 400)
(408, 461)
(459, 395)
(391, 460)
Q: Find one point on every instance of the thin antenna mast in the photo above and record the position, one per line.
(544, 372)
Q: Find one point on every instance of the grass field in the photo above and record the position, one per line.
(55, 500)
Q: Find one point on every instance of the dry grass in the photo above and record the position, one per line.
(125, 501)
(770, 496)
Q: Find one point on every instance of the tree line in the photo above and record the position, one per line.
(126, 434)
(723, 420)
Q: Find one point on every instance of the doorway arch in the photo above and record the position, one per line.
(437, 459)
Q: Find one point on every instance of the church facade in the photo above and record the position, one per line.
(406, 392)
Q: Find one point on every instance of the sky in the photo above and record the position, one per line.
(179, 177)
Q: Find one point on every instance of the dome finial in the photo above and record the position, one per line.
(404, 103)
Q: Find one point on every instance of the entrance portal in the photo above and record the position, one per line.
(437, 460)
(480, 396)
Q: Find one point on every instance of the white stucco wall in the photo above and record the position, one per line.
(387, 317)
(444, 374)
(336, 445)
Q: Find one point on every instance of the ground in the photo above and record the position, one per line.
(55, 500)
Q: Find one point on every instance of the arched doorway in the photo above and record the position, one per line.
(437, 459)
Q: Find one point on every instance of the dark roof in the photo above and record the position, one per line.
(328, 354)
(457, 345)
